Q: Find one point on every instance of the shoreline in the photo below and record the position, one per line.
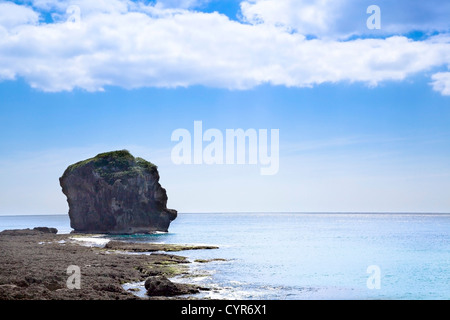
(34, 266)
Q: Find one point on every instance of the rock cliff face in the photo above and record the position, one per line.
(115, 192)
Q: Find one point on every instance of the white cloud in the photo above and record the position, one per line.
(304, 16)
(12, 15)
(344, 18)
(135, 45)
(88, 6)
(181, 4)
(441, 83)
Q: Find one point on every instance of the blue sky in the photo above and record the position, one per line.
(363, 114)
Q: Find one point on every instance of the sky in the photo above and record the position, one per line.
(363, 114)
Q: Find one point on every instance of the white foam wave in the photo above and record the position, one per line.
(91, 241)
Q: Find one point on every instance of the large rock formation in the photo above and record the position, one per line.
(115, 192)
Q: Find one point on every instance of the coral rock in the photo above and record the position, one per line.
(116, 193)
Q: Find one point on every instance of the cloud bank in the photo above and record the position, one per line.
(346, 18)
(90, 45)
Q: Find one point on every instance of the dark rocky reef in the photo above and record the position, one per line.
(161, 286)
(153, 247)
(34, 262)
(29, 232)
(116, 193)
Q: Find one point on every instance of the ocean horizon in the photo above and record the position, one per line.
(295, 256)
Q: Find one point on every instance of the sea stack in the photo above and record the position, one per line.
(116, 193)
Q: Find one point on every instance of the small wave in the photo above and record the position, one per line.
(91, 241)
(137, 288)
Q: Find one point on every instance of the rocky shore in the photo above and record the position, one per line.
(34, 266)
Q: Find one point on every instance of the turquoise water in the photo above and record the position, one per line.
(307, 256)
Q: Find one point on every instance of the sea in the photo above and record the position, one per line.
(297, 256)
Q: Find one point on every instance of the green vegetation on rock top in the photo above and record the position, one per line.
(115, 165)
(145, 164)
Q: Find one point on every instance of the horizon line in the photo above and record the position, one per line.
(258, 212)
